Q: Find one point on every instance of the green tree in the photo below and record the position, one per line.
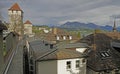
(79, 35)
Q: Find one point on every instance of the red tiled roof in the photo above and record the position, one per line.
(15, 7)
(27, 22)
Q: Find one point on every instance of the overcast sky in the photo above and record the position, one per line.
(40, 12)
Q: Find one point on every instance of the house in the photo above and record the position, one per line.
(28, 28)
(62, 60)
(59, 35)
(2, 27)
(103, 58)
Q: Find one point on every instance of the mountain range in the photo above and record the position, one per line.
(78, 25)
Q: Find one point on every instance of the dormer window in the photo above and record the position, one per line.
(70, 37)
(104, 54)
(58, 38)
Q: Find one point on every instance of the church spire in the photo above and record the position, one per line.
(114, 27)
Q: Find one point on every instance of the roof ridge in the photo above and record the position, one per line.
(27, 22)
(46, 54)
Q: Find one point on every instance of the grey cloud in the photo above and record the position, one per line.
(115, 16)
(55, 11)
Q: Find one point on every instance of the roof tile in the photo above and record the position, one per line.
(27, 22)
(15, 7)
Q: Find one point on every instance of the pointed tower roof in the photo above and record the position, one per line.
(27, 22)
(15, 7)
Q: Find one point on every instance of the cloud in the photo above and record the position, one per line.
(115, 16)
(59, 11)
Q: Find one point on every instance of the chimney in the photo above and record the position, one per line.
(51, 46)
(54, 30)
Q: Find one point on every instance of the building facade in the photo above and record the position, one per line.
(2, 27)
(16, 19)
(51, 59)
(61, 61)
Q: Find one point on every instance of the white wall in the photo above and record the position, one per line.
(62, 67)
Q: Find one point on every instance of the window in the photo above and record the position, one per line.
(68, 64)
(31, 61)
(58, 38)
(51, 46)
(31, 67)
(70, 37)
(105, 54)
(77, 64)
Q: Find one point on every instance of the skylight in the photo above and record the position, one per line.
(105, 54)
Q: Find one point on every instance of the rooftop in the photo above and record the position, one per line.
(27, 22)
(16, 7)
(56, 32)
(43, 51)
(59, 54)
(102, 56)
(72, 45)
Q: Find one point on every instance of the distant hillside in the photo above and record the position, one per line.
(78, 25)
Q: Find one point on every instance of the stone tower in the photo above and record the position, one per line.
(16, 19)
(28, 27)
(114, 27)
